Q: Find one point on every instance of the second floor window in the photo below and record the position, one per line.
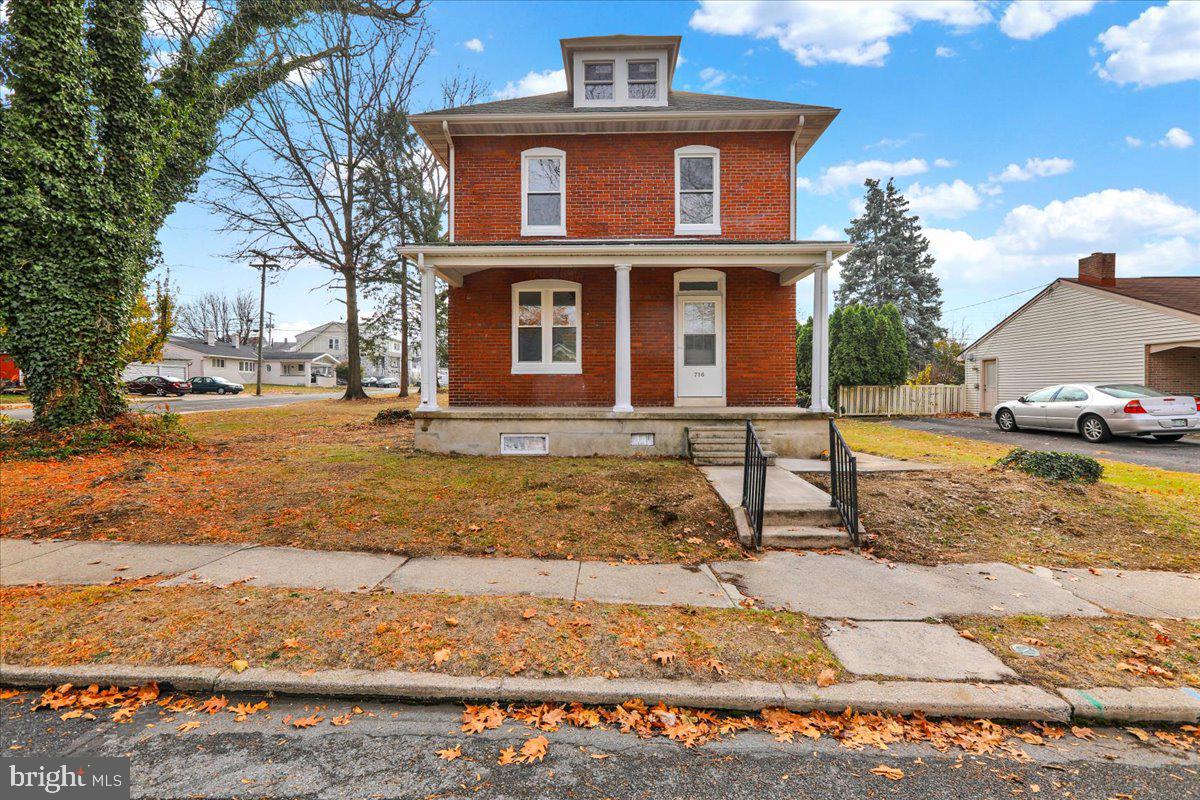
(697, 190)
(643, 80)
(598, 80)
(543, 192)
(335, 344)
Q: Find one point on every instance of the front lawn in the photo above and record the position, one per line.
(1113, 651)
(1135, 518)
(301, 630)
(321, 475)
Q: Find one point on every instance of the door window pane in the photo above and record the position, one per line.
(699, 349)
(699, 317)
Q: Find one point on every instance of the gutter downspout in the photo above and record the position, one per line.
(450, 205)
(792, 176)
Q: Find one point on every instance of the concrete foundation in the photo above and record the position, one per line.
(794, 432)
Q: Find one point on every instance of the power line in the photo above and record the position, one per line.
(994, 299)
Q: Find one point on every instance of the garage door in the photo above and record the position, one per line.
(176, 371)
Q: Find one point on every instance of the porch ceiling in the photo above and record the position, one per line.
(791, 260)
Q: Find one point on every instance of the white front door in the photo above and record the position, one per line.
(700, 348)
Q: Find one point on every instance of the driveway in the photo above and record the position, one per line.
(192, 403)
(1182, 456)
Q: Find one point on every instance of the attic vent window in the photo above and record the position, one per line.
(598, 80)
(643, 80)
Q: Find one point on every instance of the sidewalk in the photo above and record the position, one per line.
(829, 586)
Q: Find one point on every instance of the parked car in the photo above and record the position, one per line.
(387, 383)
(1100, 411)
(218, 385)
(370, 381)
(157, 385)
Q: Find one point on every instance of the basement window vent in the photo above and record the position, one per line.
(641, 439)
(524, 444)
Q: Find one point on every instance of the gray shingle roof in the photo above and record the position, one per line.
(246, 351)
(561, 103)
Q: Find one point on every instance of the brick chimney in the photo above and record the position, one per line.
(1098, 269)
(210, 336)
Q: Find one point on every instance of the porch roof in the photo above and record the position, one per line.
(791, 259)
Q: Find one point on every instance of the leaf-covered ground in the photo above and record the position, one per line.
(300, 630)
(1113, 651)
(972, 514)
(320, 475)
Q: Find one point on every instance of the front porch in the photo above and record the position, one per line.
(598, 431)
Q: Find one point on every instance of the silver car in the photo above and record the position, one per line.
(1100, 411)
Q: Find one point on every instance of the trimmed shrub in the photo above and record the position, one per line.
(1053, 466)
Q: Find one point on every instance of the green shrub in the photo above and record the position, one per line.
(26, 441)
(1054, 466)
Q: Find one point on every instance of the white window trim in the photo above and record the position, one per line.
(620, 61)
(613, 82)
(218, 363)
(543, 230)
(248, 366)
(546, 366)
(692, 151)
(629, 81)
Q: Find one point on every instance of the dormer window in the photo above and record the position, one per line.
(598, 80)
(643, 80)
(543, 192)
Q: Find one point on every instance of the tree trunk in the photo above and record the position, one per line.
(354, 389)
(404, 368)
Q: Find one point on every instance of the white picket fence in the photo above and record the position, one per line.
(859, 401)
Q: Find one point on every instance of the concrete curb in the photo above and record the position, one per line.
(999, 701)
(1143, 704)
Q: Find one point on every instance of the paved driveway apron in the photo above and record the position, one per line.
(1182, 456)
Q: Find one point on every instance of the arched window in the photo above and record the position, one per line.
(697, 190)
(546, 330)
(543, 192)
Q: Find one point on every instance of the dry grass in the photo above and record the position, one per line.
(320, 475)
(1114, 651)
(973, 514)
(299, 630)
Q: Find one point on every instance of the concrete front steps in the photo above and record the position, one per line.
(796, 514)
(724, 445)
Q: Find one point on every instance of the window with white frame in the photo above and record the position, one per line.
(218, 362)
(546, 327)
(598, 80)
(543, 192)
(697, 189)
(643, 79)
(335, 344)
(245, 366)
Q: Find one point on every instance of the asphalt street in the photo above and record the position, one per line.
(390, 751)
(191, 403)
(1183, 456)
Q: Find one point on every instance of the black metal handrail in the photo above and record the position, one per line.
(843, 482)
(754, 485)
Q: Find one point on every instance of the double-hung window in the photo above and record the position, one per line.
(643, 80)
(335, 344)
(546, 327)
(245, 366)
(598, 80)
(543, 192)
(697, 190)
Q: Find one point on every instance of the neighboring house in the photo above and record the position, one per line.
(622, 262)
(331, 338)
(238, 362)
(1092, 328)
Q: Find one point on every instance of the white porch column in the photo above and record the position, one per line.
(428, 337)
(820, 354)
(622, 400)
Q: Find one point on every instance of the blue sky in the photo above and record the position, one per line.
(1025, 136)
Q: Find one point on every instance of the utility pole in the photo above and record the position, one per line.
(262, 266)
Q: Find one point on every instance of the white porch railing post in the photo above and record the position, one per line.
(623, 390)
(428, 337)
(820, 345)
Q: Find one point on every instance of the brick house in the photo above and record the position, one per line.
(622, 261)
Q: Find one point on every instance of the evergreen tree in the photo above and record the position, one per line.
(891, 347)
(891, 263)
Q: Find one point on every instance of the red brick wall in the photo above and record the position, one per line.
(622, 185)
(759, 324)
(1174, 370)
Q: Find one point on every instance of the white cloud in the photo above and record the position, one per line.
(1160, 46)
(854, 32)
(946, 200)
(474, 45)
(888, 141)
(826, 233)
(853, 173)
(1150, 232)
(544, 82)
(713, 78)
(945, 52)
(1133, 141)
(1034, 168)
(1030, 19)
(1177, 138)
(943, 163)
(680, 60)
(172, 19)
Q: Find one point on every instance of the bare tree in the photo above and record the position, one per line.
(408, 184)
(216, 312)
(289, 178)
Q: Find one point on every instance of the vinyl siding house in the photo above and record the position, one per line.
(622, 263)
(331, 338)
(237, 362)
(1093, 328)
